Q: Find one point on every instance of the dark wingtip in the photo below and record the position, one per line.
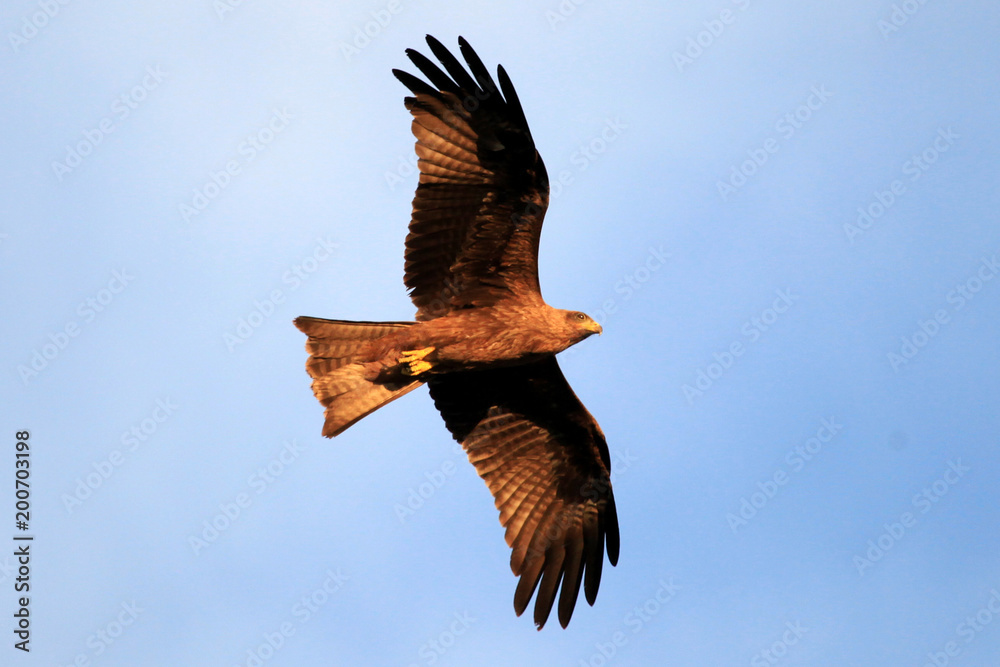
(613, 536)
(416, 86)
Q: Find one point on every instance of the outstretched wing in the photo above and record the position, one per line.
(483, 190)
(545, 460)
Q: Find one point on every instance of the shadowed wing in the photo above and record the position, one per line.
(483, 190)
(545, 460)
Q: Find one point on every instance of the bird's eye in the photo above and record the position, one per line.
(580, 316)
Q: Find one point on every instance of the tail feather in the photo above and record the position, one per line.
(340, 379)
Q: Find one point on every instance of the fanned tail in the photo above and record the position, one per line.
(340, 381)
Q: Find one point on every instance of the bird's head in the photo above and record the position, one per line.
(581, 325)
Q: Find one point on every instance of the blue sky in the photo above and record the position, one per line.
(783, 213)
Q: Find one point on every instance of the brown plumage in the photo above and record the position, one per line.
(484, 341)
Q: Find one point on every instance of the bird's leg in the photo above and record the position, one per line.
(413, 361)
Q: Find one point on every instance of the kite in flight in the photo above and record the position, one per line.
(484, 341)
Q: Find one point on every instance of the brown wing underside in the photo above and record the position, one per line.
(483, 190)
(545, 460)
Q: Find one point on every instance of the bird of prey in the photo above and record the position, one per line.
(484, 341)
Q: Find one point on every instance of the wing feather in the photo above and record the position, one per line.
(555, 559)
(546, 462)
(483, 180)
(575, 547)
(479, 70)
(451, 63)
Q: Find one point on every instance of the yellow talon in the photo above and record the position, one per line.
(416, 368)
(413, 361)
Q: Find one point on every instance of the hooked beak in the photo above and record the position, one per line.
(594, 328)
